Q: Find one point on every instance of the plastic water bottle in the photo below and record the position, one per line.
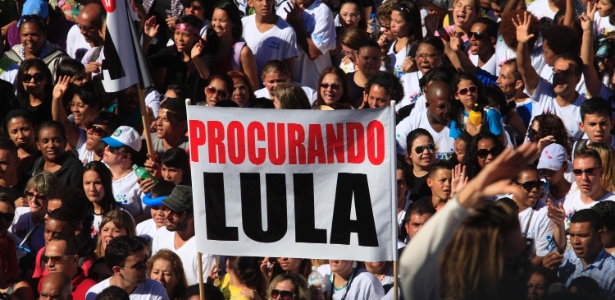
(316, 280)
(374, 25)
(143, 174)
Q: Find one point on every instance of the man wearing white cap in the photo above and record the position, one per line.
(553, 165)
(119, 156)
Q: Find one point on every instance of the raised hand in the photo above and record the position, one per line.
(294, 13)
(197, 49)
(459, 179)
(61, 86)
(151, 28)
(587, 18)
(555, 212)
(522, 23)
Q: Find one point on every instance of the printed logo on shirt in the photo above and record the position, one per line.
(122, 199)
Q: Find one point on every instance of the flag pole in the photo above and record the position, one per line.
(199, 263)
(394, 204)
(146, 122)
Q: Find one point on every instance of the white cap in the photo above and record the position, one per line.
(124, 136)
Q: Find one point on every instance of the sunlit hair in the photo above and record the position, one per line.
(43, 183)
(353, 38)
(275, 66)
(299, 284)
(480, 240)
(344, 86)
(122, 220)
(608, 168)
(238, 75)
(178, 268)
(291, 96)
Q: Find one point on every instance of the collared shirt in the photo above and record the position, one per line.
(602, 270)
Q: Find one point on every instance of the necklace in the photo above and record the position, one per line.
(345, 284)
(43, 53)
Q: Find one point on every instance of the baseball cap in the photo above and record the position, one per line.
(180, 199)
(553, 157)
(124, 136)
(35, 7)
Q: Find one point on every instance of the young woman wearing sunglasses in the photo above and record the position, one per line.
(483, 149)
(217, 88)
(421, 156)
(289, 286)
(34, 86)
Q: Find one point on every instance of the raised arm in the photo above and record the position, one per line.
(592, 81)
(570, 14)
(294, 18)
(524, 62)
(58, 112)
(458, 58)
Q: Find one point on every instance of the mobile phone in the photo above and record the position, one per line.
(444, 34)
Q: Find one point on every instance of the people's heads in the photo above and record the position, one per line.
(97, 184)
(37, 189)
(465, 87)
(352, 14)
(179, 213)
(61, 221)
(586, 228)
(33, 33)
(529, 180)
(352, 39)
(288, 286)
(218, 87)
(195, 8)
(482, 35)
(553, 163)
(103, 125)
(226, 20)
(262, 8)
(606, 210)
(114, 224)
(8, 158)
(584, 287)
(605, 8)
(483, 149)
(608, 168)
(90, 20)
(465, 12)
(122, 148)
(368, 58)
(429, 53)
(417, 215)
(33, 77)
(177, 90)
(187, 33)
(153, 200)
(51, 141)
(56, 285)
(126, 257)
(74, 200)
(404, 18)
(587, 170)
(295, 265)
(19, 127)
(85, 105)
(383, 13)
(247, 270)
(508, 30)
(381, 88)
(166, 267)
(494, 253)
(210, 291)
(243, 94)
(549, 124)
(596, 119)
(437, 97)
(435, 74)
(439, 181)
(61, 255)
(113, 293)
(275, 72)
(539, 283)
(554, 45)
(461, 144)
(7, 212)
(172, 120)
(289, 96)
(421, 148)
(175, 166)
(332, 87)
(73, 69)
(510, 81)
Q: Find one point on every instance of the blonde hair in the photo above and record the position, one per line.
(122, 220)
(298, 281)
(608, 169)
(43, 183)
(291, 96)
(275, 66)
(178, 268)
(354, 38)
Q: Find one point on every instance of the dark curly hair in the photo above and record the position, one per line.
(470, 160)
(550, 124)
(570, 44)
(388, 81)
(248, 271)
(509, 31)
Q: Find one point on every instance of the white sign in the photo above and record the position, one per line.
(294, 183)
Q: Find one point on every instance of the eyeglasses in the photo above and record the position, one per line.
(56, 260)
(97, 131)
(562, 73)
(425, 56)
(7, 216)
(588, 171)
(477, 35)
(334, 86)
(464, 91)
(529, 185)
(430, 147)
(142, 265)
(214, 91)
(38, 77)
(285, 295)
(521, 261)
(483, 153)
(37, 196)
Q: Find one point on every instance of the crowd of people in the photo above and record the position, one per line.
(505, 156)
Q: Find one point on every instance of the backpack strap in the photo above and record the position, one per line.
(236, 61)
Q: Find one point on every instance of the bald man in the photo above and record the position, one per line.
(434, 119)
(86, 33)
(56, 286)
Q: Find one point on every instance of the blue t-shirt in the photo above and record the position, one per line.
(493, 119)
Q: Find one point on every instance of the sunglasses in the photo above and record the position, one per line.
(430, 147)
(97, 131)
(37, 196)
(285, 295)
(7, 216)
(464, 91)
(483, 153)
(565, 73)
(56, 260)
(529, 185)
(477, 35)
(214, 91)
(588, 171)
(112, 150)
(142, 265)
(38, 77)
(334, 86)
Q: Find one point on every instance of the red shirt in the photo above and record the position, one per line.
(81, 285)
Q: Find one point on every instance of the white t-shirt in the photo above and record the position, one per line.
(165, 240)
(412, 89)
(150, 290)
(489, 66)
(504, 54)
(147, 229)
(279, 42)
(540, 228)
(445, 144)
(602, 26)
(547, 73)
(127, 192)
(309, 92)
(364, 285)
(419, 106)
(573, 203)
(541, 9)
(397, 59)
(76, 46)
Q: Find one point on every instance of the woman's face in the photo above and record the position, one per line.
(376, 267)
(487, 145)
(350, 15)
(80, 79)
(427, 58)
(221, 23)
(425, 157)
(340, 266)
(528, 177)
(331, 88)
(290, 265)
(94, 135)
(34, 81)
(216, 91)
(285, 286)
(241, 92)
(605, 8)
(272, 79)
(536, 287)
(465, 94)
(184, 40)
(378, 96)
(350, 53)
(172, 174)
(108, 232)
(36, 201)
(195, 9)
(93, 186)
(32, 37)
(163, 272)
(464, 13)
(82, 113)
(399, 26)
(460, 149)
(21, 132)
(51, 144)
(276, 102)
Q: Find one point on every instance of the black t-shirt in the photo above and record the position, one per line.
(356, 92)
(418, 187)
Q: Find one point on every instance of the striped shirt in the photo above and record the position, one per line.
(602, 270)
